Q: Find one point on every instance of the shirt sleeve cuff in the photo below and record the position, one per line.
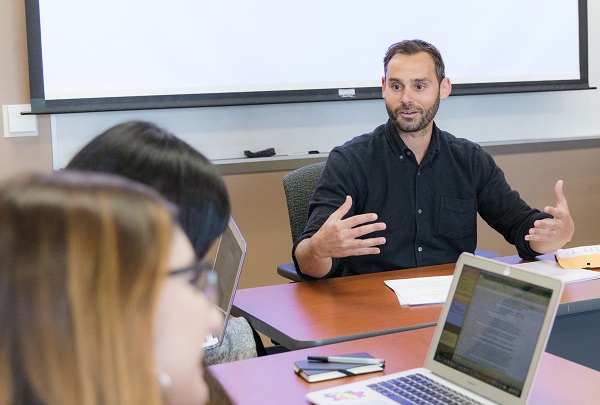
(523, 248)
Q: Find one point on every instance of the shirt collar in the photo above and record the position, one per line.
(400, 147)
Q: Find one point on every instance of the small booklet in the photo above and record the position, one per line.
(314, 371)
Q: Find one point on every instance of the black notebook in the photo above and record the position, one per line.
(314, 371)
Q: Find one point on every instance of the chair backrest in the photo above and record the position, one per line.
(299, 185)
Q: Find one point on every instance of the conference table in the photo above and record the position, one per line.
(271, 379)
(321, 312)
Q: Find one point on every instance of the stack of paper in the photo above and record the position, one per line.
(434, 290)
(421, 290)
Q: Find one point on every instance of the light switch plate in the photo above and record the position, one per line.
(16, 124)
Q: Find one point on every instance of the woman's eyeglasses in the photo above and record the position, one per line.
(202, 276)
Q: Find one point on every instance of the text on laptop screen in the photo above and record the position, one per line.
(492, 328)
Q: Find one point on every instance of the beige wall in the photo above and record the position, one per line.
(17, 154)
(258, 199)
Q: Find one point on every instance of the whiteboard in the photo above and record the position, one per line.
(223, 133)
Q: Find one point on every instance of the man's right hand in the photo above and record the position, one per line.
(338, 238)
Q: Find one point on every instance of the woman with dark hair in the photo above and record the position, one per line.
(143, 152)
(146, 153)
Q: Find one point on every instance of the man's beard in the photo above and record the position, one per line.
(414, 124)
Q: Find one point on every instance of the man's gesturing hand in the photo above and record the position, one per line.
(550, 234)
(339, 237)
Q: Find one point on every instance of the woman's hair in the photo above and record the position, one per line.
(148, 154)
(82, 259)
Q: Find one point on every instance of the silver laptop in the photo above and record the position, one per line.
(487, 344)
(228, 263)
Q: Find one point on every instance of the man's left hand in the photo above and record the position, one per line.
(550, 234)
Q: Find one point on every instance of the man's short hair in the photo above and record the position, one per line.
(411, 47)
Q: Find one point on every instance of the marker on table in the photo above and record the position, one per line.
(310, 152)
(350, 360)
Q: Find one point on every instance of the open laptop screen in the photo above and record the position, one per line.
(492, 328)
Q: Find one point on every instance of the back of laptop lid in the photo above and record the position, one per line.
(494, 328)
(228, 264)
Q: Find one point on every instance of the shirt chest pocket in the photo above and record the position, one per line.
(458, 217)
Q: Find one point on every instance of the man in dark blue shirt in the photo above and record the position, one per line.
(407, 194)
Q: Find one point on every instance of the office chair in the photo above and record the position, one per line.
(298, 186)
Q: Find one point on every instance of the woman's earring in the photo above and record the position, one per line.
(164, 379)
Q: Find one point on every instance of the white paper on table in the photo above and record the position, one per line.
(553, 269)
(421, 290)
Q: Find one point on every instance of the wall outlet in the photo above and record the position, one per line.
(17, 124)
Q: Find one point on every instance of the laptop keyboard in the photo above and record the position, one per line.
(419, 389)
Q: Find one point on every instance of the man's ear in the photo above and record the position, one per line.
(445, 88)
(383, 86)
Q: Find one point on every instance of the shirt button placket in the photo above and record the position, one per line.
(419, 211)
